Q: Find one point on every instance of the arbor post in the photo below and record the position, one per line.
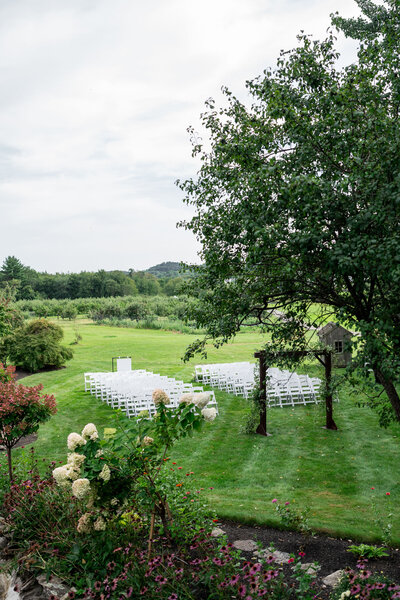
(330, 423)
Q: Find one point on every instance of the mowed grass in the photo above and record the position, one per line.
(330, 472)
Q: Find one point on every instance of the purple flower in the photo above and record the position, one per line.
(255, 569)
(380, 586)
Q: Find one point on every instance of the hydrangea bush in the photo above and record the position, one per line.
(128, 467)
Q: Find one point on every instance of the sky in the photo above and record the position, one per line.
(97, 96)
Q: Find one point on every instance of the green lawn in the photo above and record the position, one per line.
(330, 472)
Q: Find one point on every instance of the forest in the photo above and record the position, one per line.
(28, 284)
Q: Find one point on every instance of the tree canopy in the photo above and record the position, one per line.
(297, 198)
(29, 284)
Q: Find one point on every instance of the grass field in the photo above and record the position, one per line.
(332, 473)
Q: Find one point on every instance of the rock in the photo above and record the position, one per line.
(280, 557)
(66, 597)
(4, 527)
(7, 584)
(30, 589)
(277, 555)
(310, 568)
(54, 587)
(217, 531)
(4, 585)
(246, 545)
(333, 579)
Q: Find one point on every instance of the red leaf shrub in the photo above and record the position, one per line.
(22, 409)
(6, 373)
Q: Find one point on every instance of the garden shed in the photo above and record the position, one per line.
(337, 337)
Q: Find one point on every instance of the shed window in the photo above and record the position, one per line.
(339, 347)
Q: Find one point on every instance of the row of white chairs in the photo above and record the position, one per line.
(132, 391)
(284, 388)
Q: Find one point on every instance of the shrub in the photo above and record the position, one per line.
(22, 409)
(68, 311)
(128, 467)
(291, 518)
(36, 345)
(41, 309)
(6, 373)
(136, 310)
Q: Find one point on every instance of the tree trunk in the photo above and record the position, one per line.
(390, 391)
(262, 427)
(151, 534)
(10, 473)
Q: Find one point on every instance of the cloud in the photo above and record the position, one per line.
(96, 100)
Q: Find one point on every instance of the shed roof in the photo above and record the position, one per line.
(331, 326)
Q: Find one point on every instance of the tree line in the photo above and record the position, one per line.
(28, 284)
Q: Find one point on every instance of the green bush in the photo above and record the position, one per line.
(136, 310)
(36, 345)
(68, 311)
(131, 307)
(367, 551)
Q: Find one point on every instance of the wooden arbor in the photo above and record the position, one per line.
(324, 357)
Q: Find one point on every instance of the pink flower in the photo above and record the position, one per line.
(291, 560)
(387, 493)
(372, 488)
(274, 500)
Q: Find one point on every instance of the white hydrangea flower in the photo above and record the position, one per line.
(99, 453)
(90, 432)
(84, 524)
(201, 400)
(105, 473)
(76, 460)
(186, 398)
(81, 488)
(209, 414)
(99, 524)
(160, 397)
(74, 440)
(147, 440)
(61, 475)
(73, 472)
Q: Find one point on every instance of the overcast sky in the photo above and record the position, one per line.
(96, 98)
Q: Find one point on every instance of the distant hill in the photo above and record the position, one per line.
(166, 269)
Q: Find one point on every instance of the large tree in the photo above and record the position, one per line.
(297, 198)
